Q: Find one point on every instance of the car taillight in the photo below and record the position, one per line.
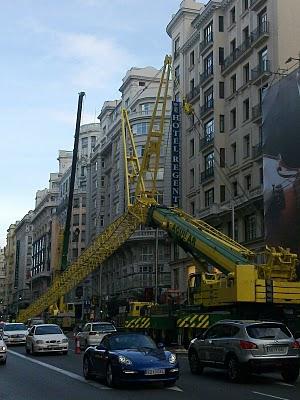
(247, 345)
(296, 345)
(92, 333)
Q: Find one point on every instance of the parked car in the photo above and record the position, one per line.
(243, 347)
(46, 338)
(14, 333)
(3, 350)
(93, 333)
(130, 358)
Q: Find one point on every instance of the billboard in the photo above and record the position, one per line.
(281, 162)
(175, 151)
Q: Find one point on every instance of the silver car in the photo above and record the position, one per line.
(243, 347)
(14, 333)
(93, 333)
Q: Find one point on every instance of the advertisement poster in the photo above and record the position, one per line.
(281, 162)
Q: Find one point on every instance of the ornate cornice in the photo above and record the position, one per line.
(206, 14)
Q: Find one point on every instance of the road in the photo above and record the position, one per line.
(53, 377)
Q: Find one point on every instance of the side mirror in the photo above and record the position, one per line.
(160, 346)
(101, 347)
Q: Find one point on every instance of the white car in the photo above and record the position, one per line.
(45, 338)
(93, 333)
(14, 333)
(3, 351)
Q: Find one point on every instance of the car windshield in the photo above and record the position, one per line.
(268, 331)
(103, 328)
(122, 342)
(48, 330)
(15, 327)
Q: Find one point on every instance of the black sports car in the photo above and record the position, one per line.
(132, 358)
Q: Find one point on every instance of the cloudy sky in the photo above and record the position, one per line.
(51, 50)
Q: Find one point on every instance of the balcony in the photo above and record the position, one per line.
(193, 93)
(256, 4)
(237, 55)
(257, 150)
(206, 76)
(207, 175)
(206, 43)
(260, 33)
(257, 113)
(206, 108)
(261, 72)
(206, 141)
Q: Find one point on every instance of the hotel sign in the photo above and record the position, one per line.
(175, 153)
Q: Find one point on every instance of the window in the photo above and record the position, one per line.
(233, 118)
(177, 75)
(93, 141)
(222, 123)
(84, 142)
(222, 157)
(261, 176)
(96, 166)
(192, 147)
(233, 83)
(142, 83)
(232, 15)
(102, 201)
(245, 5)
(140, 128)
(83, 219)
(192, 84)
(176, 47)
(209, 197)
(248, 182)
(75, 253)
(209, 161)
(101, 220)
(145, 108)
(263, 59)
(192, 177)
(102, 163)
(208, 64)
(192, 208)
(233, 153)
(246, 146)
(246, 36)
(234, 189)
(222, 193)
(127, 102)
(233, 46)
(221, 23)
(83, 170)
(246, 73)
(75, 219)
(102, 181)
(262, 19)
(250, 227)
(209, 98)
(192, 58)
(83, 201)
(221, 90)
(140, 150)
(76, 202)
(209, 129)
(208, 33)
(246, 109)
(221, 55)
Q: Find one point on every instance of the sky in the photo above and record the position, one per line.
(50, 51)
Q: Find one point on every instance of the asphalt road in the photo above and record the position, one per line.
(58, 377)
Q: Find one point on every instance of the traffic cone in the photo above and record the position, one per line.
(77, 345)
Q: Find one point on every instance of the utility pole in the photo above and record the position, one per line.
(156, 265)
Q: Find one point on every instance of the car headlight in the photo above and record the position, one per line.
(39, 342)
(5, 337)
(172, 358)
(2, 348)
(65, 340)
(124, 360)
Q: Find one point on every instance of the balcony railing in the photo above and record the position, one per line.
(207, 140)
(236, 54)
(209, 73)
(255, 4)
(262, 70)
(256, 112)
(207, 40)
(207, 107)
(261, 31)
(207, 174)
(257, 150)
(193, 93)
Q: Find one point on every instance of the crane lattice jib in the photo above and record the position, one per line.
(200, 239)
(103, 247)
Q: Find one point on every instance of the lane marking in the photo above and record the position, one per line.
(176, 388)
(61, 371)
(270, 395)
(285, 384)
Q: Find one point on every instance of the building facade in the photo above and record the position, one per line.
(3, 305)
(226, 54)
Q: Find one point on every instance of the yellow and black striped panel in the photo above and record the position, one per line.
(193, 321)
(139, 322)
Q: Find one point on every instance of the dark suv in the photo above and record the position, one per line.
(243, 347)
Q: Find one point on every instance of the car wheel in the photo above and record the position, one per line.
(87, 368)
(290, 375)
(234, 370)
(195, 366)
(111, 379)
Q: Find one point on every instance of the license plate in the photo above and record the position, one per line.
(276, 349)
(154, 372)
